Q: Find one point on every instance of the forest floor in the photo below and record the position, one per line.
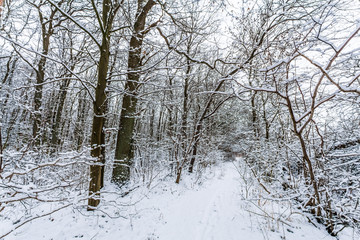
(222, 204)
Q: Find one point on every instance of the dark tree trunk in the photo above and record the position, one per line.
(97, 133)
(80, 122)
(46, 31)
(100, 108)
(55, 135)
(194, 149)
(152, 123)
(123, 151)
(184, 122)
(254, 116)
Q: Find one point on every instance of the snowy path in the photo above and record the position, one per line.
(209, 213)
(215, 210)
(218, 211)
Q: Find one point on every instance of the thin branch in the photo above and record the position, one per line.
(76, 22)
(98, 17)
(54, 60)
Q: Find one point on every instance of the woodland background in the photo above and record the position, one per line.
(123, 92)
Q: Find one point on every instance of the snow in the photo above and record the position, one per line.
(223, 203)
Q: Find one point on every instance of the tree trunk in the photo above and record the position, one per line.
(184, 122)
(100, 107)
(97, 133)
(254, 117)
(81, 121)
(306, 159)
(46, 32)
(38, 97)
(55, 135)
(195, 146)
(123, 151)
(199, 125)
(55, 140)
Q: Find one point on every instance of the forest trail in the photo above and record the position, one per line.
(209, 213)
(222, 210)
(223, 207)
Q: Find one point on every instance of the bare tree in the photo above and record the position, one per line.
(48, 25)
(304, 93)
(124, 142)
(105, 21)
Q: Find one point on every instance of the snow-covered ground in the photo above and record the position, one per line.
(223, 206)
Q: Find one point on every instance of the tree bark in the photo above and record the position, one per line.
(100, 107)
(82, 113)
(184, 123)
(55, 140)
(124, 142)
(306, 159)
(55, 133)
(46, 32)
